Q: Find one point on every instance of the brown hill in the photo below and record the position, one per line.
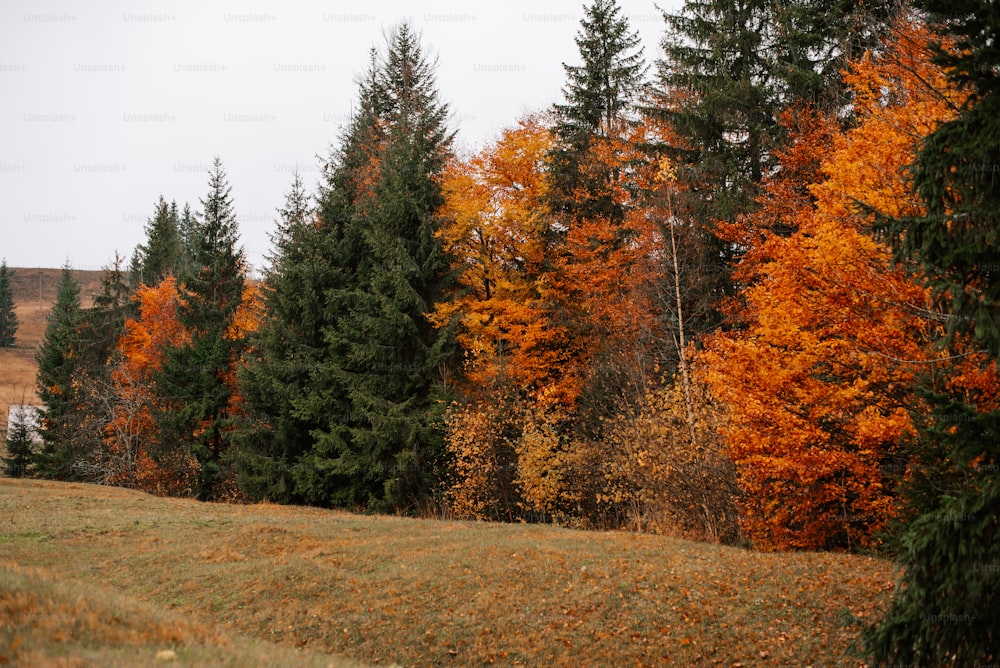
(34, 294)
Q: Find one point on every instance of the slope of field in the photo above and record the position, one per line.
(34, 293)
(422, 592)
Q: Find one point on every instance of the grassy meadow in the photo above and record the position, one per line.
(94, 575)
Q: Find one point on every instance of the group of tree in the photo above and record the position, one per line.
(139, 389)
(744, 292)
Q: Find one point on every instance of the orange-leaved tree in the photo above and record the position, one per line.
(819, 376)
(137, 458)
(497, 230)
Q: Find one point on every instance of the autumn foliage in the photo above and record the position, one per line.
(138, 459)
(135, 456)
(819, 378)
(556, 327)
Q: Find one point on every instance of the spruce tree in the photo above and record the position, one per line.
(193, 376)
(8, 316)
(187, 232)
(947, 610)
(382, 435)
(96, 343)
(103, 323)
(57, 364)
(600, 98)
(277, 378)
(20, 449)
(162, 252)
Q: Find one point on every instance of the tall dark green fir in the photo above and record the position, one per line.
(278, 380)
(57, 365)
(600, 104)
(162, 252)
(381, 444)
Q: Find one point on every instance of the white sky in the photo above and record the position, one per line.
(104, 106)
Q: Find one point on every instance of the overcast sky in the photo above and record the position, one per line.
(104, 106)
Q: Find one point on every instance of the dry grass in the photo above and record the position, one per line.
(422, 592)
(52, 623)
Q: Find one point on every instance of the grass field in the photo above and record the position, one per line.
(380, 590)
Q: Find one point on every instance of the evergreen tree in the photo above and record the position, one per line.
(291, 389)
(96, 338)
(57, 364)
(947, 611)
(278, 373)
(718, 94)
(376, 383)
(8, 317)
(814, 40)
(600, 103)
(187, 232)
(193, 377)
(162, 252)
(102, 324)
(20, 449)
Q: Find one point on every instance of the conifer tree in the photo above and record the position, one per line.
(96, 338)
(187, 232)
(102, 324)
(292, 387)
(192, 378)
(276, 379)
(8, 316)
(162, 252)
(600, 103)
(947, 611)
(57, 364)
(20, 449)
(382, 430)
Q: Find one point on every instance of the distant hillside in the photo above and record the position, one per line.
(34, 293)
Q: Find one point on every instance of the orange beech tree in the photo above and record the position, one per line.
(819, 375)
(550, 317)
(135, 456)
(497, 231)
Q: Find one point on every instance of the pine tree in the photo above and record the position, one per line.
(600, 103)
(57, 364)
(193, 376)
(277, 378)
(20, 449)
(8, 316)
(383, 433)
(162, 252)
(947, 610)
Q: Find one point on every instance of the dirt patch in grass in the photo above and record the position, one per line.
(422, 592)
